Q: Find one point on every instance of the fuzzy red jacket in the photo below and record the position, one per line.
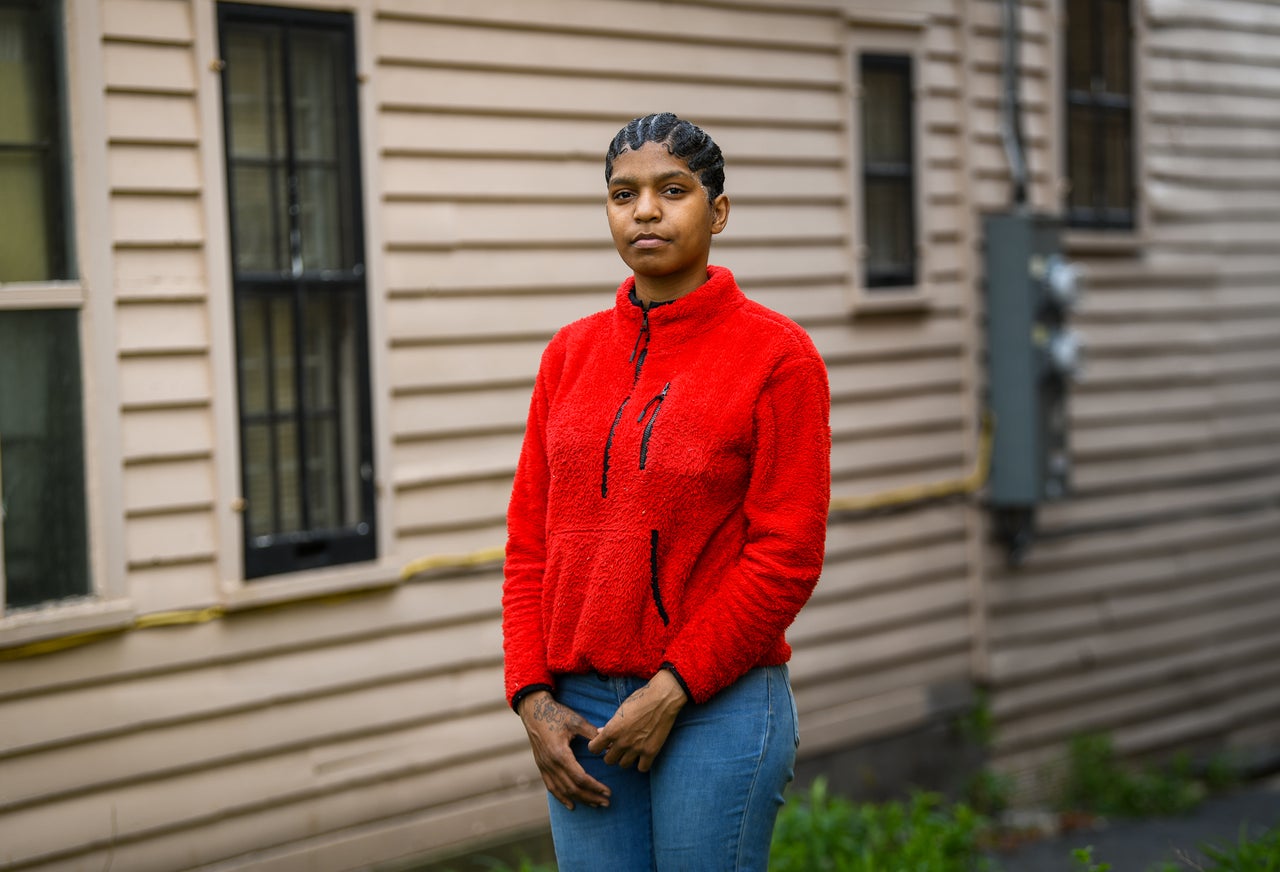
(670, 503)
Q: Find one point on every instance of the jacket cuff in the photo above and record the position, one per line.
(519, 695)
(671, 667)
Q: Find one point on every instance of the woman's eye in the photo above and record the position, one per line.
(621, 195)
(674, 191)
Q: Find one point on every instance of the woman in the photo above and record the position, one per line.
(666, 525)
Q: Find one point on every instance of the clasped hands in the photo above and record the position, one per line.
(633, 736)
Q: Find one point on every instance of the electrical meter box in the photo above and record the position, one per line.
(1033, 356)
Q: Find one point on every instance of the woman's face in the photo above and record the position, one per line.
(661, 221)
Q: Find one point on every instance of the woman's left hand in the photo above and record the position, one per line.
(636, 732)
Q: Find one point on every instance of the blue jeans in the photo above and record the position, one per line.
(710, 801)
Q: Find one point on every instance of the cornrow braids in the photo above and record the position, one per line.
(682, 139)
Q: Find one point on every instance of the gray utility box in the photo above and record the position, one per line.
(1032, 357)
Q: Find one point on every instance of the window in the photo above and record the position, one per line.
(297, 252)
(43, 534)
(1099, 116)
(888, 171)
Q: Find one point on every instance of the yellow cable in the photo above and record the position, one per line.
(931, 491)
(451, 561)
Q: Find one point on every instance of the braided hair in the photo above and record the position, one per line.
(682, 139)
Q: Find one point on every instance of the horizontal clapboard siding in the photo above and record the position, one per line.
(338, 734)
(1148, 611)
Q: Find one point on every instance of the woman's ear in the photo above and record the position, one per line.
(719, 213)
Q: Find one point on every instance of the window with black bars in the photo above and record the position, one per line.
(1099, 116)
(297, 251)
(888, 171)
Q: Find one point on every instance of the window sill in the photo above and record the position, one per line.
(41, 295)
(65, 619)
(312, 584)
(890, 301)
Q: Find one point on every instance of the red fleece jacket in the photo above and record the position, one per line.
(670, 503)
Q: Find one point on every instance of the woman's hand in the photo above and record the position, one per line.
(636, 732)
(551, 726)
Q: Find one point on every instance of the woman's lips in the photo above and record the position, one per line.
(648, 242)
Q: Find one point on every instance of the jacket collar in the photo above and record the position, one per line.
(679, 320)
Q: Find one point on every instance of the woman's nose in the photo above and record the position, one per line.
(646, 207)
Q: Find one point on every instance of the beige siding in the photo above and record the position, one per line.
(1149, 610)
(371, 726)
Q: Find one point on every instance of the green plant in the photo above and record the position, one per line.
(988, 792)
(1096, 782)
(1247, 855)
(819, 832)
(1084, 859)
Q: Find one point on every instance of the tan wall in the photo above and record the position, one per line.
(1148, 609)
(337, 733)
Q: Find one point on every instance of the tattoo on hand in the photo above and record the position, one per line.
(550, 712)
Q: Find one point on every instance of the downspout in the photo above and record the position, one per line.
(1011, 107)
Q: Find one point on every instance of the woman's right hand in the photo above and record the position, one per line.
(551, 726)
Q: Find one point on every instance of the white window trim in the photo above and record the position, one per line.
(889, 33)
(233, 591)
(108, 605)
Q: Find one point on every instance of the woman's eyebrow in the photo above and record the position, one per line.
(631, 180)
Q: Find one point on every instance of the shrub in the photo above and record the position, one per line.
(1096, 782)
(818, 832)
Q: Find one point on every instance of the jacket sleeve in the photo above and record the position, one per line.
(786, 507)
(524, 647)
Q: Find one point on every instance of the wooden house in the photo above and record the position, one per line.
(274, 281)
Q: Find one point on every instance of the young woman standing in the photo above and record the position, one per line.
(666, 524)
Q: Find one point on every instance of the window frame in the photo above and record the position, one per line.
(343, 551)
(87, 251)
(904, 63)
(897, 35)
(1100, 224)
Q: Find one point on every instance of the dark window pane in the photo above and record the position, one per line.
(1080, 30)
(1080, 138)
(42, 457)
(890, 247)
(1118, 149)
(32, 246)
(255, 95)
(324, 244)
(319, 100)
(24, 218)
(888, 171)
(886, 122)
(255, 356)
(282, 356)
(1115, 38)
(1099, 110)
(260, 482)
(260, 204)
